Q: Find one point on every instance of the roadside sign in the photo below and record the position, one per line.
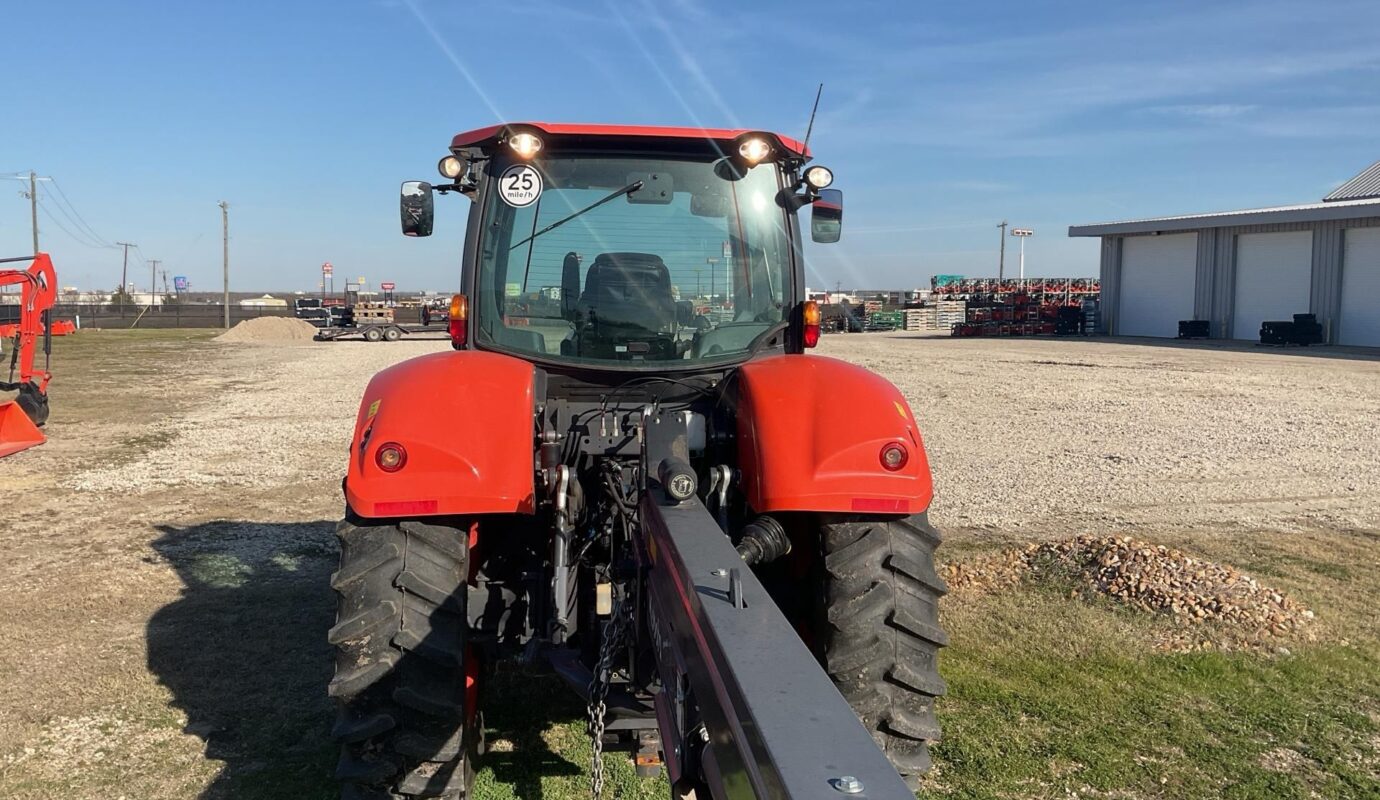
(180, 283)
(728, 250)
(361, 280)
(387, 286)
(326, 268)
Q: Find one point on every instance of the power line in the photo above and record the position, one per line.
(78, 239)
(78, 215)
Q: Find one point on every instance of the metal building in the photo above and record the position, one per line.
(1238, 269)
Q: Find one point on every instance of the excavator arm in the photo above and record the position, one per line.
(20, 417)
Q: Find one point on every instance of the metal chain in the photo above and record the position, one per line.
(612, 642)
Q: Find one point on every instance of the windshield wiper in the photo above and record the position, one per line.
(629, 189)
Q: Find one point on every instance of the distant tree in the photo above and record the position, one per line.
(121, 297)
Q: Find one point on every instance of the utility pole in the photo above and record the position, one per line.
(1001, 262)
(32, 197)
(153, 280)
(225, 255)
(33, 206)
(124, 274)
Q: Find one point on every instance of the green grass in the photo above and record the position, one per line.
(1050, 696)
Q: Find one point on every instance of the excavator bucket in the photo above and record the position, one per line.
(17, 431)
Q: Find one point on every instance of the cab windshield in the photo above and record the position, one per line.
(603, 259)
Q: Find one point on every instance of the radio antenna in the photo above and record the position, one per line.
(813, 111)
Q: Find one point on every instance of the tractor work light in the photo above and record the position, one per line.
(810, 316)
(450, 167)
(894, 456)
(526, 145)
(390, 457)
(819, 177)
(754, 150)
(459, 316)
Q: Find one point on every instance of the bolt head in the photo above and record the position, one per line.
(848, 784)
(719, 573)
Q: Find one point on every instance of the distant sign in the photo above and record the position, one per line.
(327, 269)
(387, 286)
(180, 283)
(361, 280)
(728, 250)
(947, 280)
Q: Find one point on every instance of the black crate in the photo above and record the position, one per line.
(1194, 329)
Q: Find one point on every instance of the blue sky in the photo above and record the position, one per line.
(939, 120)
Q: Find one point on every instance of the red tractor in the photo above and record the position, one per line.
(630, 469)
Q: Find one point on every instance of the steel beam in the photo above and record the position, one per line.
(774, 725)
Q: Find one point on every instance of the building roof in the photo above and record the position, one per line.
(1364, 186)
(1308, 212)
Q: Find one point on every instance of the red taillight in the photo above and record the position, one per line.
(811, 317)
(390, 457)
(459, 317)
(894, 456)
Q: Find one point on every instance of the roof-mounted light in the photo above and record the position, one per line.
(819, 177)
(754, 150)
(450, 167)
(525, 144)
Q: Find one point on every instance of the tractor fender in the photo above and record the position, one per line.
(811, 430)
(464, 421)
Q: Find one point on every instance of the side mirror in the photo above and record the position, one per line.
(826, 216)
(418, 208)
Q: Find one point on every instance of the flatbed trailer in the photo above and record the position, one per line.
(378, 331)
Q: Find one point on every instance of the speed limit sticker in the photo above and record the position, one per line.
(520, 185)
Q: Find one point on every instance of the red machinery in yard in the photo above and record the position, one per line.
(21, 417)
(715, 537)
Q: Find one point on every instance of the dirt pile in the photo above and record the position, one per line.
(1149, 577)
(270, 329)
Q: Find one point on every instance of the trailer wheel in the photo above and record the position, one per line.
(880, 633)
(373, 335)
(405, 681)
(392, 334)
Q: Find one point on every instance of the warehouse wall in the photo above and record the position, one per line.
(1215, 285)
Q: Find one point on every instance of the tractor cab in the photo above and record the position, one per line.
(627, 247)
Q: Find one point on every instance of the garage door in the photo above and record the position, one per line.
(1157, 281)
(1360, 319)
(1273, 279)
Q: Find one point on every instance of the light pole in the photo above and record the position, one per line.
(712, 262)
(1023, 233)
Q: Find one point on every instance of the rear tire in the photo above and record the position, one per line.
(393, 334)
(405, 722)
(881, 634)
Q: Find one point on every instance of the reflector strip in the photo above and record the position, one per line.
(881, 504)
(402, 508)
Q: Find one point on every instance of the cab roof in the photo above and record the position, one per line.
(479, 136)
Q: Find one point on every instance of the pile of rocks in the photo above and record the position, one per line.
(1152, 578)
(270, 329)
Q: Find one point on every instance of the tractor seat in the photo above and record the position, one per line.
(628, 289)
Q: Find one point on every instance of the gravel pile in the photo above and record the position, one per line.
(270, 329)
(1152, 578)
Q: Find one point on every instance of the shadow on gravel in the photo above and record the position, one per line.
(244, 652)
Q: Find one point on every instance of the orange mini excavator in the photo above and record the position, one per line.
(21, 416)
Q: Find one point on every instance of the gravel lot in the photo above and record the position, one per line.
(182, 511)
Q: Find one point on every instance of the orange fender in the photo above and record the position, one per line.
(811, 430)
(464, 421)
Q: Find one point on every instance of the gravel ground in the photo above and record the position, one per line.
(166, 569)
(1042, 437)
